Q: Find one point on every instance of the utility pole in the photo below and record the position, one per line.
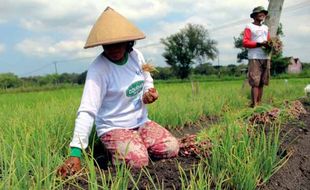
(55, 63)
(218, 65)
(56, 73)
(273, 18)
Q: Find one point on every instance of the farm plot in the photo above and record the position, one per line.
(36, 129)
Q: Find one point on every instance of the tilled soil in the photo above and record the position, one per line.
(166, 171)
(163, 172)
(295, 174)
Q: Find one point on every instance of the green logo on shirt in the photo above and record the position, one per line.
(135, 88)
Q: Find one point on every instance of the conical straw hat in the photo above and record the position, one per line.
(110, 28)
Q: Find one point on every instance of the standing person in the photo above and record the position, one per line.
(255, 37)
(115, 95)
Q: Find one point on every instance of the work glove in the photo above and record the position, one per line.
(262, 44)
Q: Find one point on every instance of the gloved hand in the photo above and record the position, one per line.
(263, 44)
(150, 96)
(71, 166)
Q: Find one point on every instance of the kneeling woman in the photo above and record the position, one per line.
(115, 96)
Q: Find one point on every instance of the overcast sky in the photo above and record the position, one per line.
(37, 33)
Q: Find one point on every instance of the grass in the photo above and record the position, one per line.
(248, 159)
(36, 129)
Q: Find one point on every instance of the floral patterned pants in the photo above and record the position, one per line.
(134, 145)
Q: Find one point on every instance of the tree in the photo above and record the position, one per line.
(164, 73)
(82, 78)
(231, 69)
(205, 69)
(279, 64)
(9, 80)
(238, 43)
(68, 78)
(305, 66)
(189, 46)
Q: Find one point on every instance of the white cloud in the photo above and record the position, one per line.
(45, 47)
(67, 23)
(210, 14)
(2, 48)
(296, 30)
(70, 14)
(2, 21)
(303, 29)
(140, 10)
(33, 24)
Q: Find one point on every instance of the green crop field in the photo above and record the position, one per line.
(36, 129)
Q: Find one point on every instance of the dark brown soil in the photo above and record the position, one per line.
(295, 174)
(164, 172)
(102, 157)
(193, 128)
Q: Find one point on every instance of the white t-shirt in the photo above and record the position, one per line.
(112, 97)
(257, 34)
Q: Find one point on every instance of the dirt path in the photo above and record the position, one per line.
(295, 174)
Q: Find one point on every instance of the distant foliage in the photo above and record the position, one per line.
(229, 70)
(243, 54)
(9, 80)
(190, 46)
(205, 69)
(305, 66)
(82, 78)
(164, 73)
(278, 64)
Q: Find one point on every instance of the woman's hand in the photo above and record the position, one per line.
(150, 96)
(71, 166)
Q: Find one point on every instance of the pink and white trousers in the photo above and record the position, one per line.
(135, 145)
